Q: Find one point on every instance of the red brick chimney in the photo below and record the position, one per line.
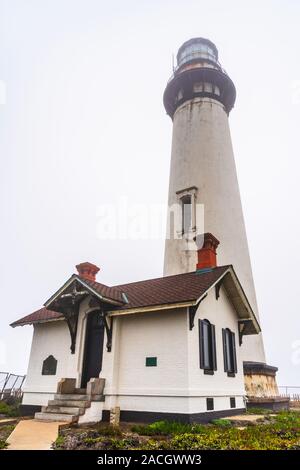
(87, 271)
(207, 254)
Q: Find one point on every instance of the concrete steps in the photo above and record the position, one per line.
(66, 407)
(77, 406)
(77, 403)
(69, 410)
(56, 417)
(70, 396)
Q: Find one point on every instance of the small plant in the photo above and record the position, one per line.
(109, 431)
(161, 428)
(224, 423)
(3, 444)
(166, 428)
(5, 431)
(59, 443)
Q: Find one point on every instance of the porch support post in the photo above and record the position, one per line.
(192, 312)
(242, 324)
(218, 287)
(71, 318)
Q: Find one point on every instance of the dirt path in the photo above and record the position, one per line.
(31, 434)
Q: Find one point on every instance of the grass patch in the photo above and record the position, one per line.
(59, 442)
(113, 431)
(5, 431)
(166, 428)
(224, 423)
(258, 411)
(3, 444)
(280, 432)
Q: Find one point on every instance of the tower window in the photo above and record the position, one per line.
(198, 87)
(208, 87)
(187, 211)
(186, 204)
(180, 95)
(207, 346)
(229, 352)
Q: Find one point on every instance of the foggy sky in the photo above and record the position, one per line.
(83, 125)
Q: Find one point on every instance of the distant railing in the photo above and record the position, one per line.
(292, 392)
(11, 385)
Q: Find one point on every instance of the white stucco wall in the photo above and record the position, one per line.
(221, 314)
(202, 156)
(175, 385)
(134, 386)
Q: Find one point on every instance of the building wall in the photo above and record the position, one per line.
(133, 386)
(176, 385)
(221, 314)
(202, 156)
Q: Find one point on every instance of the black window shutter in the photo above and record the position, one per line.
(225, 349)
(213, 343)
(233, 352)
(201, 352)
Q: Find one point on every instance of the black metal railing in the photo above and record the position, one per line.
(11, 385)
(289, 391)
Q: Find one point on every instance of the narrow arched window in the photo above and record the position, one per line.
(207, 346)
(186, 205)
(229, 352)
(49, 366)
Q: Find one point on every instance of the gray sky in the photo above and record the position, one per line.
(83, 124)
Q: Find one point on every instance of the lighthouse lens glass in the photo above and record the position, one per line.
(196, 50)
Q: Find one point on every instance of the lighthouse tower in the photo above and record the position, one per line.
(199, 98)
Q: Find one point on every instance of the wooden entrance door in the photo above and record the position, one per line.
(93, 347)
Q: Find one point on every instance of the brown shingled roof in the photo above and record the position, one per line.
(105, 291)
(160, 291)
(43, 314)
(170, 289)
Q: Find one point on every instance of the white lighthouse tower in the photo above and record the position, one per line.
(199, 98)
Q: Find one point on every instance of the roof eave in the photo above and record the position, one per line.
(74, 277)
(34, 322)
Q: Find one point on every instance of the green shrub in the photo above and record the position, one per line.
(3, 444)
(288, 418)
(224, 423)
(109, 431)
(59, 443)
(9, 410)
(166, 428)
(111, 443)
